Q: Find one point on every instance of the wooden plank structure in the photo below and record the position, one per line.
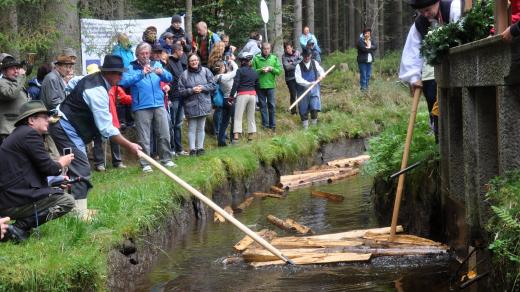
(350, 246)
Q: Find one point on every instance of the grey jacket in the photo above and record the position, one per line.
(12, 97)
(196, 104)
(251, 47)
(289, 64)
(53, 90)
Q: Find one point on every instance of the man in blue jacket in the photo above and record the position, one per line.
(144, 78)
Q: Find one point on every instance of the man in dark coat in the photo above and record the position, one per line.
(25, 194)
(178, 33)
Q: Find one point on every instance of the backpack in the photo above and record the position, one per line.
(218, 97)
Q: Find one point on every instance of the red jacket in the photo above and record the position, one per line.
(515, 11)
(115, 95)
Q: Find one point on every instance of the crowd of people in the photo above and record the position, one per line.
(171, 77)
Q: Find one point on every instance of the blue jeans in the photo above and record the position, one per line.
(266, 99)
(217, 119)
(176, 118)
(365, 70)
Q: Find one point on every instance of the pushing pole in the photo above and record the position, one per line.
(404, 162)
(217, 209)
(310, 88)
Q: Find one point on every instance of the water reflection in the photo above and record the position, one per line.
(195, 263)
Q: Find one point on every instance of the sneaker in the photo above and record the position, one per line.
(200, 152)
(120, 165)
(183, 153)
(170, 164)
(147, 169)
(100, 168)
(193, 152)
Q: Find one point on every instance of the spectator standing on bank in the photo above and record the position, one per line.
(365, 47)
(290, 59)
(179, 34)
(217, 56)
(245, 86)
(307, 73)
(35, 84)
(123, 48)
(150, 35)
(176, 66)
(224, 79)
(316, 52)
(144, 78)
(53, 86)
(268, 67)
(203, 42)
(196, 86)
(12, 93)
(307, 36)
(253, 44)
(229, 49)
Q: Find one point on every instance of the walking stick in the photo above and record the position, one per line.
(404, 162)
(217, 209)
(310, 88)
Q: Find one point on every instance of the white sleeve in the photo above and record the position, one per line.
(97, 100)
(455, 10)
(299, 78)
(411, 60)
(320, 70)
(230, 75)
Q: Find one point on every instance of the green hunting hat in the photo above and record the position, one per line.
(30, 108)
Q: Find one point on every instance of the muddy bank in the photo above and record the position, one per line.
(135, 257)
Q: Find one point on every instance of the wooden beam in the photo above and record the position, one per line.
(319, 258)
(289, 225)
(245, 242)
(328, 196)
(245, 204)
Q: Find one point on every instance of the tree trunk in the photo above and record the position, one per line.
(120, 9)
(326, 25)
(381, 40)
(66, 15)
(398, 25)
(278, 29)
(309, 5)
(351, 24)
(188, 18)
(297, 23)
(9, 24)
(335, 29)
(358, 19)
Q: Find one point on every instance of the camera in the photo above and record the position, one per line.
(67, 151)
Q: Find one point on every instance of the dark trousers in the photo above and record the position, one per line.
(217, 119)
(228, 113)
(99, 152)
(176, 119)
(124, 113)
(293, 91)
(430, 93)
(266, 99)
(34, 214)
(79, 167)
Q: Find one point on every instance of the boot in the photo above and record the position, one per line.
(15, 234)
(82, 212)
(305, 124)
(314, 122)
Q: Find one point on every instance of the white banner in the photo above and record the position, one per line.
(99, 36)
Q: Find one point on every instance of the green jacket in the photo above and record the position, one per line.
(267, 80)
(12, 97)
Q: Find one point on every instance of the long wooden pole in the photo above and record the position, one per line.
(217, 209)
(404, 162)
(309, 89)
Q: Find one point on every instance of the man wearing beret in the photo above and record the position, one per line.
(12, 93)
(25, 194)
(413, 69)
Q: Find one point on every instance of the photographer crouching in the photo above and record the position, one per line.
(25, 194)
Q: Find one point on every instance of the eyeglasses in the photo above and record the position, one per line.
(194, 60)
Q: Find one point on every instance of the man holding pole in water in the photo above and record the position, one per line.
(306, 73)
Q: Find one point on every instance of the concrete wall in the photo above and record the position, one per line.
(479, 125)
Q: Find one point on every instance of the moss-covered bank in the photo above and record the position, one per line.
(71, 255)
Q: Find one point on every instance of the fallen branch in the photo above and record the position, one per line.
(289, 225)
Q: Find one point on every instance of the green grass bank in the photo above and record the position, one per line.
(68, 254)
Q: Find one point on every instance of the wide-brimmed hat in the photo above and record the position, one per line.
(112, 63)
(30, 108)
(65, 60)
(419, 4)
(8, 61)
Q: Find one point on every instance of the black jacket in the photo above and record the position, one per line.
(176, 67)
(245, 80)
(24, 167)
(363, 51)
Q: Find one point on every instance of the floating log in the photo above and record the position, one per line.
(267, 195)
(277, 190)
(401, 239)
(354, 233)
(319, 258)
(311, 174)
(217, 218)
(322, 168)
(309, 242)
(319, 180)
(245, 204)
(289, 225)
(328, 196)
(353, 161)
(245, 242)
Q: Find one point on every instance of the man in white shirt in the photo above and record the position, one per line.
(307, 73)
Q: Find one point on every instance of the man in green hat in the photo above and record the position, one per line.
(25, 194)
(12, 93)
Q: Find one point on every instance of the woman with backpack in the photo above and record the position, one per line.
(224, 80)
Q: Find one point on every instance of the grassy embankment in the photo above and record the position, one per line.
(72, 255)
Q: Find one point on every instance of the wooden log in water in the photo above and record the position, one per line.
(289, 225)
(353, 234)
(217, 218)
(319, 258)
(245, 242)
(310, 174)
(267, 195)
(346, 162)
(309, 242)
(401, 239)
(323, 179)
(245, 204)
(314, 170)
(277, 190)
(328, 196)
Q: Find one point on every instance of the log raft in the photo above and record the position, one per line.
(350, 246)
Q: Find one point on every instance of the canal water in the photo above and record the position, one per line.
(195, 262)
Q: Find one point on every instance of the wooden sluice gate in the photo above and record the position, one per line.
(349, 246)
